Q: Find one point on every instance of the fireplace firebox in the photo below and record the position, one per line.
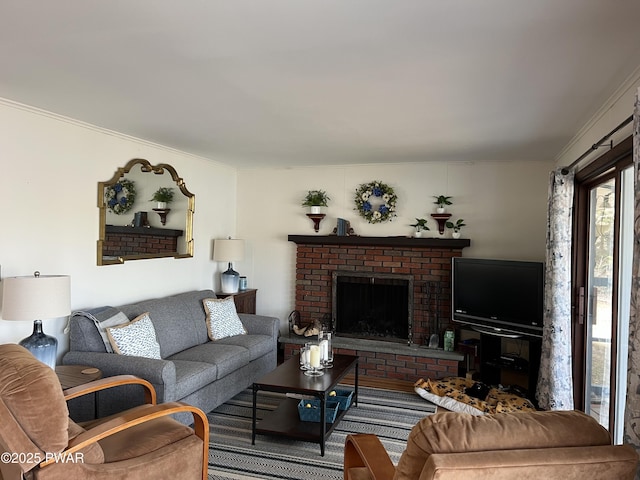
(373, 305)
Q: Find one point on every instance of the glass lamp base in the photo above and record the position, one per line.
(230, 280)
(41, 346)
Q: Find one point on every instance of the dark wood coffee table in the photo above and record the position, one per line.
(288, 378)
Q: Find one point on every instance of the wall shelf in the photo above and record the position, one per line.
(163, 232)
(441, 218)
(400, 241)
(317, 218)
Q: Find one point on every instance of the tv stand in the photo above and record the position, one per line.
(510, 362)
(498, 366)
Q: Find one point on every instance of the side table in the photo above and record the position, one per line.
(73, 375)
(245, 300)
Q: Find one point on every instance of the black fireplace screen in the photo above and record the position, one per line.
(372, 306)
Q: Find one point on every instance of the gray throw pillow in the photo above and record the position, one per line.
(110, 317)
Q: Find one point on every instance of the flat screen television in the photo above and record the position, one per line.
(500, 297)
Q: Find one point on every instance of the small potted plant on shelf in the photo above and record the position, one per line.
(442, 201)
(164, 196)
(315, 199)
(420, 225)
(456, 227)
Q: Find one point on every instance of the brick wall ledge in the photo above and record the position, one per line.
(400, 241)
(378, 346)
(387, 359)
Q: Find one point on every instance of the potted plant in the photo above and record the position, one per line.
(315, 199)
(442, 201)
(421, 224)
(164, 196)
(456, 227)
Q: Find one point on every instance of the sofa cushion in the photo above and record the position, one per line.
(222, 318)
(227, 358)
(191, 376)
(136, 338)
(137, 441)
(258, 345)
(584, 463)
(452, 432)
(92, 453)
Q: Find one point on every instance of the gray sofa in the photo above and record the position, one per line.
(193, 369)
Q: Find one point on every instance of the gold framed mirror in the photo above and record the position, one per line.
(133, 226)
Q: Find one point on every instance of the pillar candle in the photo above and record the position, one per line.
(314, 356)
(324, 346)
(305, 357)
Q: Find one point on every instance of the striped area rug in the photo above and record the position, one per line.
(389, 415)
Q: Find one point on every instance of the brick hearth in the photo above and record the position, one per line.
(427, 260)
(387, 359)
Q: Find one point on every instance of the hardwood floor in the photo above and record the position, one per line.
(385, 383)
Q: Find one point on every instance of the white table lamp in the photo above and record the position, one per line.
(229, 250)
(36, 298)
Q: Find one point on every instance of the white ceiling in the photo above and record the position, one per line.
(308, 82)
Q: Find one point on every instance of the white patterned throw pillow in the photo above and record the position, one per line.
(222, 318)
(136, 338)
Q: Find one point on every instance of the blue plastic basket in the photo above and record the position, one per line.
(309, 410)
(343, 397)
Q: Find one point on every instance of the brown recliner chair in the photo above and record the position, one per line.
(38, 440)
(524, 446)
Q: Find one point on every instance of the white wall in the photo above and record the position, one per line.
(49, 216)
(618, 108)
(503, 204)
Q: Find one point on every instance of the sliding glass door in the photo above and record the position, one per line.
(599, 325)
(602, 273)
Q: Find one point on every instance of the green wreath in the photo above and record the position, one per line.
(382, 208)
(120, 197)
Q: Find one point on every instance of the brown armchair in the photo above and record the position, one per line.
(39, 441)
(452, 446)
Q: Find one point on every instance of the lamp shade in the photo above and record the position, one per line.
(36, 297)
(228, 250)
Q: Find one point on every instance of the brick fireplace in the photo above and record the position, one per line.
(426, 261)
(124, 240)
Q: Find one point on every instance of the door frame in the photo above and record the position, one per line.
(607, 166)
